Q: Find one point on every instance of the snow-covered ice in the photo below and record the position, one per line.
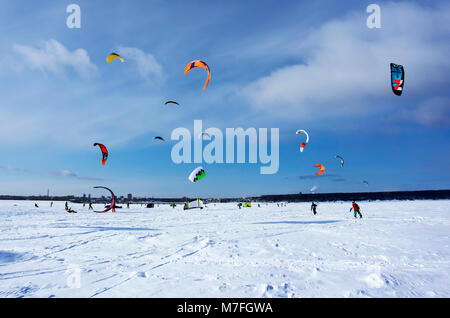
(399, 249)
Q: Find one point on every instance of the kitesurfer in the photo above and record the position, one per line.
(69, 210)
(356, 209)
(36, 206)
(313, 208)
(51, 204)
(90, 206)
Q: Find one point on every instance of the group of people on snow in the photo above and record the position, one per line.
(355, 207)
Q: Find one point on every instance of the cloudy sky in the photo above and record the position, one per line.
(312, 65)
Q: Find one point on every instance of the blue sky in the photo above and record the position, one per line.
(310, 65)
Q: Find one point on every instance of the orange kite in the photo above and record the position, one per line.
(198, 63)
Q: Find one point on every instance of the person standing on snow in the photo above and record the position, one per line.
(356, 209)
(313, 208)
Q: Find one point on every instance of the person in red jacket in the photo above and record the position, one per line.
(355, 208)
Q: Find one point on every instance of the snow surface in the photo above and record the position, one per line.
(398, 249)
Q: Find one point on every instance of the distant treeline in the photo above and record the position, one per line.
(361, 196)
(75, 199)
(36, 198)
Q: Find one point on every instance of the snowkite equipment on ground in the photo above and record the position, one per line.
(196, 204)
(198, 63)
(113, 203)
(342, 160)
(197, 174)
(114, 56)
(321, 170)
(247, 205)
(397, 78)
(303, 144)
(104, 152)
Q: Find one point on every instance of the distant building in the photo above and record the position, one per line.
(129, 197)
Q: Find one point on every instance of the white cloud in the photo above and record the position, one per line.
(432, 113)
(54, 57)
(147, 65)
(15, 169)
(70, 174)
(346, 68)
(66, 173)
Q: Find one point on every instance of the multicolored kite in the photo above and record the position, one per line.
(342, 160)
(114, 56)
(198, 63)
(204, 134)
(113, 200)
(303, 144)
(397, 78)
(197, 174)
(104, 152)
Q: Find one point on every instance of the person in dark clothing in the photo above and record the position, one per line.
(356, 209)
(67, 206)
(36, 206)
(313, 208)
(69, 210)
(90, 206)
